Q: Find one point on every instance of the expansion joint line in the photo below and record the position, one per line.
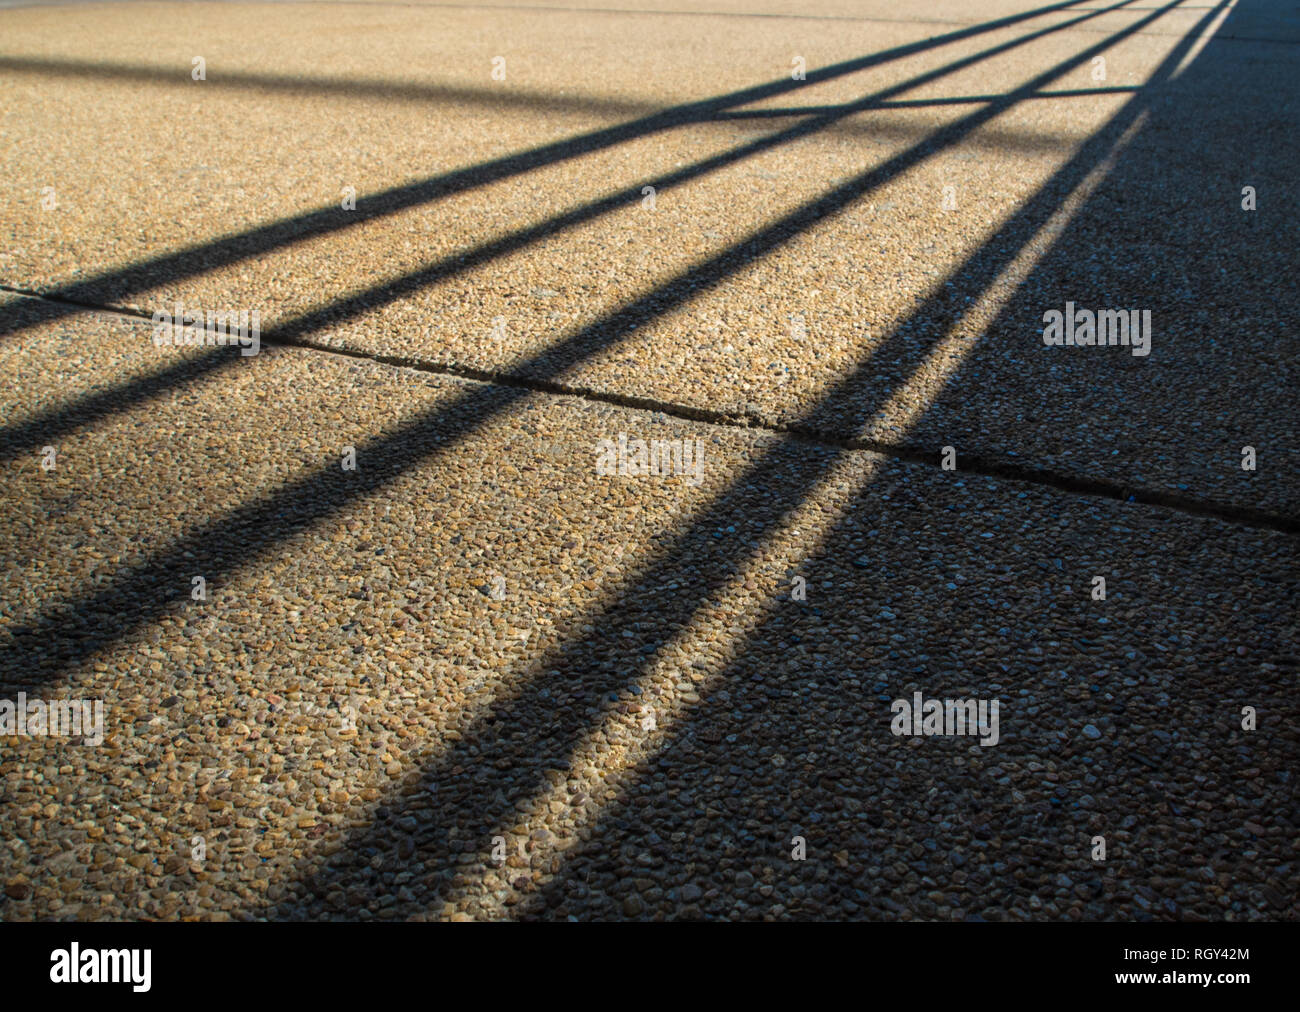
(972, 464)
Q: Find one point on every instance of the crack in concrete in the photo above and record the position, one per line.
(972, 464)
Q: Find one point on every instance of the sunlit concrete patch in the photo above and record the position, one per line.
(320, 99)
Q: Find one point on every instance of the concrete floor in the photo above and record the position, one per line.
(474, 676)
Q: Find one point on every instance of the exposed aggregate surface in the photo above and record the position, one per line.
(473, 677)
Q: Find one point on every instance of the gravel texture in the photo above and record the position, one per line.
(749, 298)
(475, 678)
(371, 593)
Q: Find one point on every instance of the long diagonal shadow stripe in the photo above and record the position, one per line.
(214, 547)
(922, 103)
(513, 746)
(171, 267)
(242, 80)
(49, 426)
